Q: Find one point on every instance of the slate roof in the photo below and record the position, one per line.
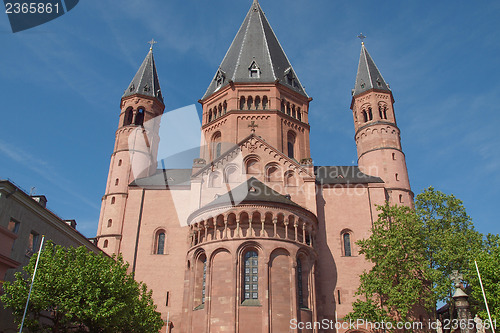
(368, 76)
(165, 177)
(343, 175)
(145, 81)
(252, 190)
(255, 46)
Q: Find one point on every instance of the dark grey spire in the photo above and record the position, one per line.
(255, 55)
(146, 81)
(368, 76)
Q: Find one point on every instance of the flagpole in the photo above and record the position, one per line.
(32, 280)
(484, 296)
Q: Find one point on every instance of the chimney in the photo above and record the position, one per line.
(71, 223)
(41, 199)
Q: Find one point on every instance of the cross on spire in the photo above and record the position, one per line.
(456, 278)
(362, 37)
(253, 125)
(152, 42)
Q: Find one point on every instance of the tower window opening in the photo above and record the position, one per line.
(204, 281)
(167, 298)
(117, 181)
(264, 103)
(105, 245)
(139, 117)
(128, 117)
(294, 114)
(218, 149)
(120, 163)
(220, 110)
(393, 156)
(283, 106)
(385, 112)
(251, 276)
(110, 223)
(397, 177)
(290, 150)
(224, 107)
(370, 114)
(242, 103)
(288, 108)
(380, 112)
(210, 115)
(249, 102)
(257, 103)
(300, 295)
(113, 200)
(254, 73)
(400, 198)
(291, 144)
(299, 115)
(346, 237)
(338, 296)
(365, 117)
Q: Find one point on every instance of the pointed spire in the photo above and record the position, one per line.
(255, 55)
(368, 76)
(146, 81)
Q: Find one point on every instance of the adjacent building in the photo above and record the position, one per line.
(23, 221)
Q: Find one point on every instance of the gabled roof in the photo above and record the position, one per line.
(326, 175)
(252, 190)
(368, 76)
(145, 81)
(255, 47)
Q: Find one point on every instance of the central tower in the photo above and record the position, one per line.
(256, 89)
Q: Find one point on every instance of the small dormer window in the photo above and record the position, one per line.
(254, 70)
(220, 78)
(379, 83)
(146, 88)
(132, 87)
(290, 77)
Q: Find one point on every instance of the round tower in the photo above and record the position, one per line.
(377, 135)
(135, 150)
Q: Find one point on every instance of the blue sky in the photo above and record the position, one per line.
(61, 85)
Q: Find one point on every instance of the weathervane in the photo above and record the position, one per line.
(152, 42)
(362, 37)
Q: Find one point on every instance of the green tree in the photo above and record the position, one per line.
(398, 280)
(79, 291)
(488, 262)
(449, 239)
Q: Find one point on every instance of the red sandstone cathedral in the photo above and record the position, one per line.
(254, 236)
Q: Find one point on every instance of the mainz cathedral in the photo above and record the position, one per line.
(253, 236)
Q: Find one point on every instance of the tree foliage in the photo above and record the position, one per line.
(450, 240)
(398, 279)
(488, 262)
(79, 291)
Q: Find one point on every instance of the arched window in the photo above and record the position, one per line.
(251, 276)
(346, 238)
(385, 112)
(257, 103)
(290, 179)
(139, 117)
(160, 243)
(215, 180)
(299, 115)
(264, 103)
(273, 174)
(249, 102)
(210, 115)
(288, 108)
(400, 198)
(216, 145)
(300, 294)
(110, 223)
(370, 114)
(200, 281)
(113, 200)
(294, 114)
(242, 103)
(231, 174)
(220, 110)
(283, 106)
(120, 163)
(105, 244)
(224, 107)
(252, 166)
(380, 113)
(291, 144)
(117, 181)
(397, 177)
(128, 117)
(218, 148)
(365, 117)
(204, 281)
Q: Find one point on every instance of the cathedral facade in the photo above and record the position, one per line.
(253, 237)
